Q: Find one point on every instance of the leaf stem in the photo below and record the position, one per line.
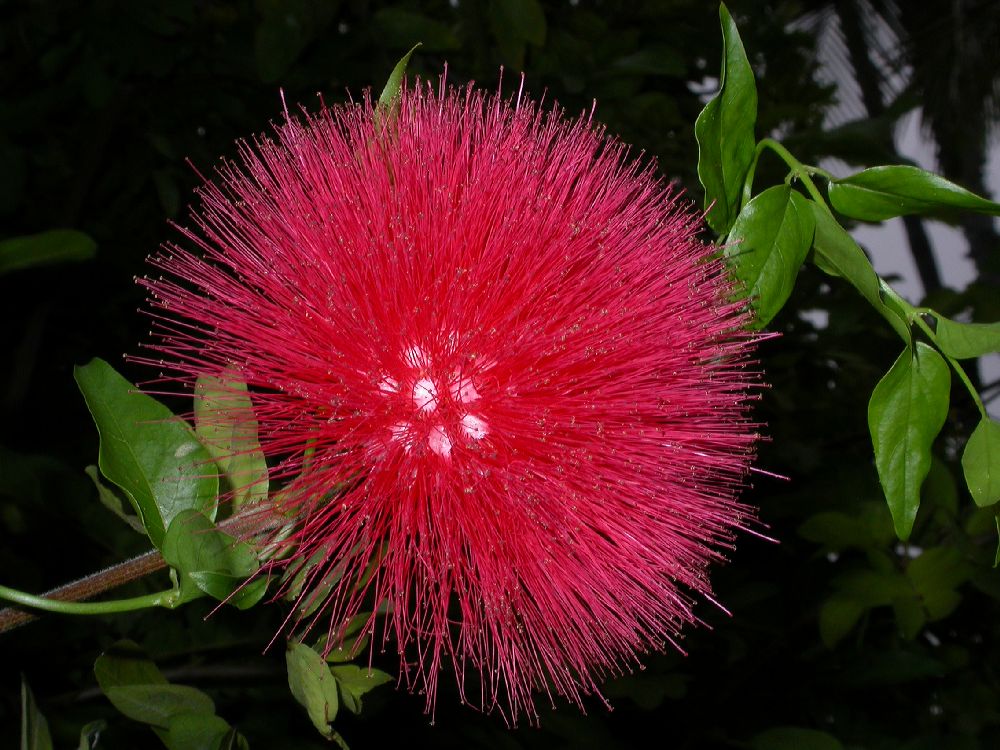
(110, 578)
(918, 318)
(168, 599)
(801, 171)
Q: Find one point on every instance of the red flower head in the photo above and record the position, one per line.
(495, 368)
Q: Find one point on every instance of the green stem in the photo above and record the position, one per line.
(801, 171)
(167, 599)
(959, 370)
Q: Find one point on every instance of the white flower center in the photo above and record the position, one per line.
(427, 391)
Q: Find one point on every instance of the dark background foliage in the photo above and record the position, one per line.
(101, 105)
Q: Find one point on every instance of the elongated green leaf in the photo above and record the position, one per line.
(313, 686)
(45, 248)
(194, 545)
(839, 255)
(906, 411)
(225, 423)
(151, 455)
(967, 340)
(158, 704)
(767, 245)
(881, 193)
(389, 97)
(355, 681)
(837, 617)
(137, 688)
(725, 131)
(34, 727)
(981, 463)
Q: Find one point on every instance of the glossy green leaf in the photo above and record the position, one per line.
(45, 248)
(906, 411)
(110, 500)
(148, 452)
(313, 686)
(882, 193)
(725, 131)
(35, 733)
(234, 590)
(225, 423)
(966, 340)
(389, 98)
(981, 463)
(355, 681)
(837, 254)
(794, 738)
(193, 544)
(837, 617)
(767, 245)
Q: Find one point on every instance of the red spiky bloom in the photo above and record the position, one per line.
(494, 366)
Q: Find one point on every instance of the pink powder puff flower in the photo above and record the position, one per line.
(494, 367)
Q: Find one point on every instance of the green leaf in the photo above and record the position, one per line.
(767, 245)
(837, 616)
(725, 131)
(193, 545)
(966, 340)
(35, 733)
(148, 452)
(45, 248)
(90, 735)
(158, 704)
(910, 617)
(981, 463)
(837, 254)
(935, 575)
(906, 411)
(110, 500)
(225, 422)
(126, 664)
(794, 738)
(234, 590)
(313, 686)
(195, 731)
(882, 193)
(873, 588)
(137, 688)
(838, 531)
(398, 28)
(355, 682)
(389, 98)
